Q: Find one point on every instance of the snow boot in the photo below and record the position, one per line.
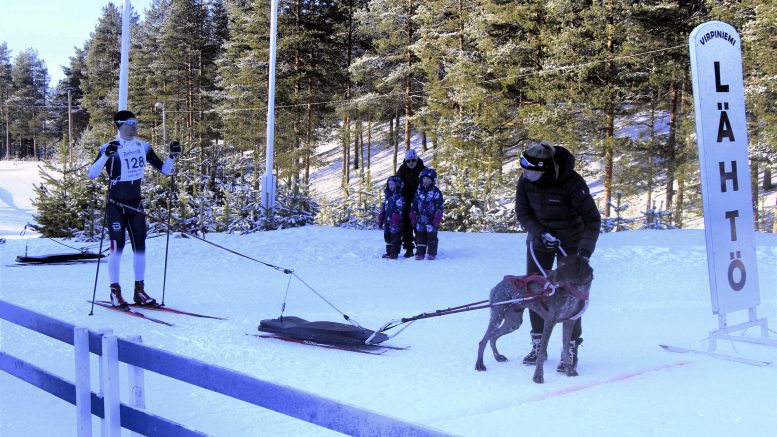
(562, 366)
(420, 251)
(531, 358)
(390, 252)
(431, 257)
(409, 253)
(116, 299)
(141, 298)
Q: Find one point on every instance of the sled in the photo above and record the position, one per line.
(55, 258)
(321, 332)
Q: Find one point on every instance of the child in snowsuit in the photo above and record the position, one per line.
(426, 214)
(391, 209)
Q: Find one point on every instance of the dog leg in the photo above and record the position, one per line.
(512, 320)
(566, 354)
(497, 316)
(539, 373)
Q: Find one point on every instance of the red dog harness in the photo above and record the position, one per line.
(546, 289)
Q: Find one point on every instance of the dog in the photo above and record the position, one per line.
(560, 303)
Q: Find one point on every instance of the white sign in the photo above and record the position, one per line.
(721, 134)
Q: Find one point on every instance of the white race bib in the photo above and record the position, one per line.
(133, 160)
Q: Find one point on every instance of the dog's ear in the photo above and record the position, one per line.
(584, 268)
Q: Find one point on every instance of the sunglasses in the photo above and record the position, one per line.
(529, 165)
(130, 122)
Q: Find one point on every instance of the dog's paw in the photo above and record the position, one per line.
(500, 358)
(571, 372)
(539, 379)
(480, 367)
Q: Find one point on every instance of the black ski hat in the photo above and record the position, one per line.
(122, 116)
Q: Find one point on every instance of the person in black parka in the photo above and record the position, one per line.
(408, 172)
(554, 205)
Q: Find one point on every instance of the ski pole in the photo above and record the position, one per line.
(102, 237)
(167, 243)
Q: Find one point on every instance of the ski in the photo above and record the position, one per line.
(684, 350)
(130, 312)
(370, 350)
(167, 309)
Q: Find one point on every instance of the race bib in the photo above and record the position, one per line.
(133, 160)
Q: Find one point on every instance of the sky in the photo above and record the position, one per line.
(52, 27)
(650, 287)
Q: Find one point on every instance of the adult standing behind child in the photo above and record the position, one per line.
(124, 159)
(426, 214)
(409, 171)
(391, 209)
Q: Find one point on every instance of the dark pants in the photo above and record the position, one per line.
(393, 240)
(427, 242)
(122, 220)
(545, 259)
(408, 239)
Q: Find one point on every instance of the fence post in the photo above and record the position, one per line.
(103, 332)
(137, 396)
(83, 382)
(110, 384)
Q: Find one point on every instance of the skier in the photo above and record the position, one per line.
(392, 209)
(426, 214)
(408, 172)
(124, 159)
(553, 204)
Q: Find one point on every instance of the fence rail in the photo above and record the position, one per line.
(289, 401)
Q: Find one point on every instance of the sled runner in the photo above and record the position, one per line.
(55, 258)
(320, 332)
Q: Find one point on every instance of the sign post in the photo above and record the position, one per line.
(721, 134)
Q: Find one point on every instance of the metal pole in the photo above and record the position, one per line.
(125, 43)
(268, 181)
(69, 127)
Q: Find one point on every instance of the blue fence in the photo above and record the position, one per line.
(292, 402)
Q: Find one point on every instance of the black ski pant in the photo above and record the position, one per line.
(393, 240)
(427, 242)
(122, 220)
(408, 239)
(546, 258)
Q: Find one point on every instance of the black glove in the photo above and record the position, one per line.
(584, 253)
(549, 241)
(175, 149)
(112, 148)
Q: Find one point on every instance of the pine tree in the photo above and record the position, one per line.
(28, 99)
(101, 75)
(5, 95)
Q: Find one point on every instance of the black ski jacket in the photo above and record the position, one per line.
(409, 178)
(560, 204)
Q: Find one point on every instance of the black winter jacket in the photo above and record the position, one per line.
(562, 206)
(409, 178)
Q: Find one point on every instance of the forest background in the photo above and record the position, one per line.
(467, 82)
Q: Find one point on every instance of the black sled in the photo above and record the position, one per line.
(56, 258)
(321, 332)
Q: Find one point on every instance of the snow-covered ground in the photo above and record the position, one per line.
(650, 287)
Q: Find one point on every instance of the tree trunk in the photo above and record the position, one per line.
(609, 129)
(369, 142)
(671, 158)
(409, 78)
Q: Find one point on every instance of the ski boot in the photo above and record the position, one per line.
(141, 298)
(562, 366)
(390, 253)
(116, 299)
(531, 358)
